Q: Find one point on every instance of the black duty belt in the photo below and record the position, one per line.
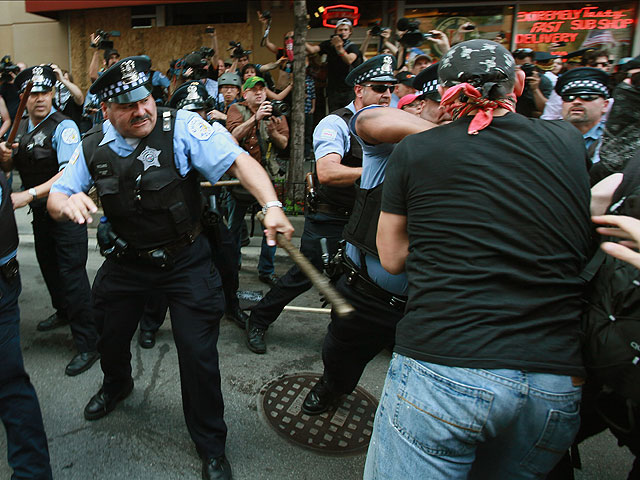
(329, 209)
(10, 269)
(155, 255)
(361, 283)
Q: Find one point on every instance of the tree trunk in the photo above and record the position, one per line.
(295, 175)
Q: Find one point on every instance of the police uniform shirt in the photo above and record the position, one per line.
(592, 136)
(65, 139)
(374, 164)
(196, 144)
(331, 135)
(159, 80)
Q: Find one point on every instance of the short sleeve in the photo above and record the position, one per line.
(75, 177)
(66, 139)
(234, 118)
(394, 199)
(331, 136)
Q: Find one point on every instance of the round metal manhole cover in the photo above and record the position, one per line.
(345, 430)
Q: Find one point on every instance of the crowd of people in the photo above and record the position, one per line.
(451, 205)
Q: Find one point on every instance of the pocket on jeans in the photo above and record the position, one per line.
(438, 415)
(559, 431)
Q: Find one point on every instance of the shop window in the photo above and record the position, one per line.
(206, 13)
(143, 16)
(566, 27)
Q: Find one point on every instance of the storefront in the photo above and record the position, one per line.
(556, 27)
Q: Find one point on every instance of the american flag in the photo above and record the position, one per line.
(598, 37)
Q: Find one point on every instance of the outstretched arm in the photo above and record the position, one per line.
(388, 125)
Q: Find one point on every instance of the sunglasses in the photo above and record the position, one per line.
(380, 88)
(587, 97)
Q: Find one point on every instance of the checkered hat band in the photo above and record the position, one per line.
(430, 86)
(120, 87)
(47, 82)
(369, 74)
(587, 85)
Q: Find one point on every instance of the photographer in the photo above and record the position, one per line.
(385, 44)
(342, 56)
(8, 91)
(68, 98)
(537, 87)
(253, 124)
(110, 55)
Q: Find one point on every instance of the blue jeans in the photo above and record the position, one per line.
(27, 449)
(437, 422)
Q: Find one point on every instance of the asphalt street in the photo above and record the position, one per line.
(146, 438)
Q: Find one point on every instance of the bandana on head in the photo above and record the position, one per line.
(481, 62)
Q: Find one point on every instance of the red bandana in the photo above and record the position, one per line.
(474, 101)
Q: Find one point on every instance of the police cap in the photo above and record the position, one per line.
(427, 82)
(43, 77)
(376, 69)
(190, 96)
(126, 81)
(583, 80)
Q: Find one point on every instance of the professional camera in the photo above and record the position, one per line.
(7, 68)
(413, 36)
(376, 29)
(528, 69)
(279, 108)
(266, 15)
(105, 43)
(237, 51)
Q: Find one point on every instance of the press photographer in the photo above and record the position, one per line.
(342, 56)
(8, 91)
(537, 87)
(100, 41)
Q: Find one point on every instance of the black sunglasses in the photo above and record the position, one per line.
(378, 88)
(587, 97)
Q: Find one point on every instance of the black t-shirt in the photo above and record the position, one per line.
(526, 104)
(499, 231)
(337, 70)
(9, 92)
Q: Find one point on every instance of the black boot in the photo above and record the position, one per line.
(320, 399)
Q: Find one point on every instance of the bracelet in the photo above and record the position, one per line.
(268, 205)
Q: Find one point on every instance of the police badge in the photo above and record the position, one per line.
(37, 75)
(386, 65)
(193, 92)
(128, 71)
(149, 157)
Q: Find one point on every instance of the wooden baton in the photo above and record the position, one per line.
(339, 304)
(221, 183)
(19, 112)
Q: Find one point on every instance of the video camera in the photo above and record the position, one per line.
(413, 36)
(105, 43)
(7, 67)
(376, 29)
(237, 51)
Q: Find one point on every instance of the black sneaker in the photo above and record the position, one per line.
(255, 338)
(269, 278)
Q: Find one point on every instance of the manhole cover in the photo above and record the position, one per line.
(346, 430)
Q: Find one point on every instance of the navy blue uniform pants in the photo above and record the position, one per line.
(196, 303)
(294, 282)
(353, 342)
(224, 258)
(28, 453)
(61, 250)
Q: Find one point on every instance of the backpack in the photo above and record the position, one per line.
(611, 318)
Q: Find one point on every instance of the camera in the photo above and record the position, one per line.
(279, 108)
(376, 29)
(266, 15)
(7, 67)
(413, 36)
(105, 43)
(528, 69)
(237, 51)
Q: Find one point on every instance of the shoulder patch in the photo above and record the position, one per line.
(328, 134)
(199, 128)
(70, 136)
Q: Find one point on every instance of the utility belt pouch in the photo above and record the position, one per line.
(10, 270)
(363, 224)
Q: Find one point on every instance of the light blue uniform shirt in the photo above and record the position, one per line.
(594, 135)
(196, 144)
(160, 80)
(374, 163)
(65, 139)
(331, 135)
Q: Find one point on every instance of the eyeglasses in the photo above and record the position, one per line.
(587, 97)
(379, 88)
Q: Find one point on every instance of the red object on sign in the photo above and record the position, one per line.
(332, 14)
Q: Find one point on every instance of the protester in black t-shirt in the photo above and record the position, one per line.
(342, 56)
(490, 216)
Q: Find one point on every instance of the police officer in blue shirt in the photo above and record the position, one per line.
(47, 140)
(27, 449)
(338, 167)
(145, 163)
(377, 296)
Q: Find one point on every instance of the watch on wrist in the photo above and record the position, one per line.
(268, 205)
(33, 193)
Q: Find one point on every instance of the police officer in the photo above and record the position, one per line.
(193, 96)
(27, 449)
(338, 167)
(144, 162)
(47, 140)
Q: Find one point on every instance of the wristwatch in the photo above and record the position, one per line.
(33, 193)
(268, 205)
